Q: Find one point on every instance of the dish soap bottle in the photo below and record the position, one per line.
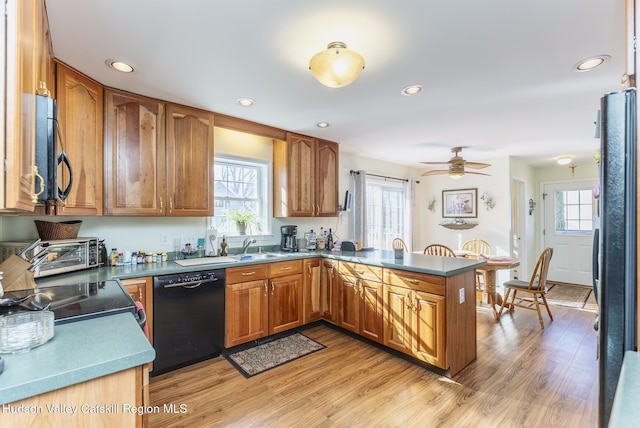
(223, 246)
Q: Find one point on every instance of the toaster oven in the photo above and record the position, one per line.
(67, 255)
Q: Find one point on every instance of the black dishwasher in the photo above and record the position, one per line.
(188, 318)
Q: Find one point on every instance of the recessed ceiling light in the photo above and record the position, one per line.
(323, 124)
(245, 102)
(564, 160)
(119, 66)
(411, 90)
(591, 63)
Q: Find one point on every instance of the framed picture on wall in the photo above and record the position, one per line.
(460, 203)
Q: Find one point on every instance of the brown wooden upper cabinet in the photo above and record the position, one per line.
(135, 161)
(80, 118)
(189, 161)
(158, 157)
(305, 177)
(20, 56)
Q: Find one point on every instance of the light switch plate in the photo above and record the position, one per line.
(461, 295)
(189, 238)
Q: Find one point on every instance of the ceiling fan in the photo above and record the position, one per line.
(457, 166)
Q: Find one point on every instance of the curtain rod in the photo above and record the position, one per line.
(380, 176)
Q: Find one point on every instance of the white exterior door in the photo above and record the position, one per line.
(569, 214)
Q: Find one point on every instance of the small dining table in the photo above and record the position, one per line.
(494, 264)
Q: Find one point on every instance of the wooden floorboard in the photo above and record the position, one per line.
(524, 376)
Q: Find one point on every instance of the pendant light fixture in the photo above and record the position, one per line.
(336, 66)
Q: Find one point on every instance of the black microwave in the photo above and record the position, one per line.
(50, 151)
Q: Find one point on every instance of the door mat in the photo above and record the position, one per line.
(261, 358)
(572, 296)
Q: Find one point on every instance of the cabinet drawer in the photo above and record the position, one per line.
(372, 273)
(285, 268)
(247, 273)
(416, 281)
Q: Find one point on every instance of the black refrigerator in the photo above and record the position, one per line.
(618, 241)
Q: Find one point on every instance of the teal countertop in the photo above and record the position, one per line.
(89, 349)
(421, 263)
(78, 351)
(625, 411)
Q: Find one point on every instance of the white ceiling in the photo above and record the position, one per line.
(498, 75)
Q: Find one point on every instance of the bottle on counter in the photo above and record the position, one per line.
(223, 246)
(113, 257)
(329, 243)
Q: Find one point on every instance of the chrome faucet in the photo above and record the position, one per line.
(246, 243)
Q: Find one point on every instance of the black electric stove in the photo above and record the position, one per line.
(75, 302)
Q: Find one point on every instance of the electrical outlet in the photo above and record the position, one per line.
(461, 295)
(164, 239)
(189, 238)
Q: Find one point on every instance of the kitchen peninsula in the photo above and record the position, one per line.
(418, 290)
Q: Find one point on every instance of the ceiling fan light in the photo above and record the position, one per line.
(456, 175)
(336, 66)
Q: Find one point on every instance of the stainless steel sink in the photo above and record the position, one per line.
(259, 256)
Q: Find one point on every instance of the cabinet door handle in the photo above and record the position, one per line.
(360, 272)
(407, 300)
(286, 268)
(273, 288)
(266, 289)
(34, 197)
(247, 273)
(161, 204)
(410, 280)
(170, 205)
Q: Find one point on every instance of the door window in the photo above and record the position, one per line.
(574, 211)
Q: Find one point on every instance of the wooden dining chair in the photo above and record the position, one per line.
(439, 250)
(399, 243)
(483, 248)
(535, 289)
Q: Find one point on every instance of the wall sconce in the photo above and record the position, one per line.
(532, 206)
(336, 66)
(488, 201)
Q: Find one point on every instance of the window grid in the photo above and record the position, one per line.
(574, 211)
(238, 185)
(385, 214)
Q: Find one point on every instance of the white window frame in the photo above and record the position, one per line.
(265, 191)
(580, 216)
(403, 214)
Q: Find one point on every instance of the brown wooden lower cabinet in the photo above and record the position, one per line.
(246, 304)
(141, 289)
(262, 300)
(361, 300)
(108, 401)
(418, 314)
(414, 324)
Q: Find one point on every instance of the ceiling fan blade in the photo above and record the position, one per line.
(476, 173)
(437, 172)
(436, 163)
(476, 165)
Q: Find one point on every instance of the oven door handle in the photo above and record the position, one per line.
(189, 284)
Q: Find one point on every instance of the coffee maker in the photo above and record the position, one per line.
(288, 242)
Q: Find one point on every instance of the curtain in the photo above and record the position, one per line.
(360, 207)
(412, 230)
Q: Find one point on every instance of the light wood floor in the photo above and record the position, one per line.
(523, 377)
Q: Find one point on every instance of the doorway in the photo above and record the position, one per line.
(569, 216)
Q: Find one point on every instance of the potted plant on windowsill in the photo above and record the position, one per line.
(245, 219)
